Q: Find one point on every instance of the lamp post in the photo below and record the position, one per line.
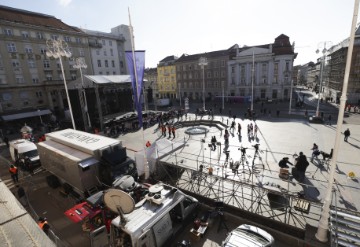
(203, 62)
(58, 49)
(323, 226)
(322, 64)
(39, 113)
(80, 64)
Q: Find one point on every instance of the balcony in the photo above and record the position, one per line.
(95, 44)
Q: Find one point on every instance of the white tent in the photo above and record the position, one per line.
(157, 150)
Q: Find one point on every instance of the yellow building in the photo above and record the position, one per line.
(166, 81)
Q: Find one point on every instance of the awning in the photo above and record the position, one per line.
(104, 79)
(26, 115)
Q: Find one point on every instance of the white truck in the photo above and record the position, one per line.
(151, 222)
(21, 149)
(84, 161)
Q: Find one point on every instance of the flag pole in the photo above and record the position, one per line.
(146, 165)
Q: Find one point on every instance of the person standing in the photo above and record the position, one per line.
(329, 119)
(283, 163)
(346, 134)
(43, 224)
(14, 173)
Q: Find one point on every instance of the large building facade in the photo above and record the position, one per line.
(29, 80)
(32, 84)
(263, 72)
(193, 79)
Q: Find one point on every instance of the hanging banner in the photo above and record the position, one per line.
(136, 78)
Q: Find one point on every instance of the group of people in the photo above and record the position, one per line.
(170, 128)
(299, 169)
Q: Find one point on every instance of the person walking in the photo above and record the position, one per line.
(14, 173)
(169, 130)
(346, 134)
(329, 119)
(239, 129)
(173, 131)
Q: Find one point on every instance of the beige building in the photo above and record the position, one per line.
(30, 82)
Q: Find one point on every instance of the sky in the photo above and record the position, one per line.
(174, 27)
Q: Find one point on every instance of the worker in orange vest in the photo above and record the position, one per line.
(14, 173)
(148, 144)
(43, 224)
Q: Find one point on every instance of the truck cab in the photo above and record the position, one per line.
(22, 149)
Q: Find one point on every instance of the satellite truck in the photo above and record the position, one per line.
(124, 222)
(82, 162)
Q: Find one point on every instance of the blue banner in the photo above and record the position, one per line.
(137, 87)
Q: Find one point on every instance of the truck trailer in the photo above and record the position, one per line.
(84, 161)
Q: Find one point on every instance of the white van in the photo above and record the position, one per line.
(247, 235)
(20, 149)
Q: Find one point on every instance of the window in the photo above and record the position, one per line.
(39, 35)
(46, 64)
(98, 52)
(49, 77)
(81, 52)
(19, 80)
(274, 94)
(35, 80)
(43, 50)
(11, 47)
(263, 93)
(7, 96)
(113, 63)
(73, 77)
(105, 53)
(99, 63)
(107, 73)
(54, 36)
(28, 49)
(106, 64)
(110, 42)
(25, 34)
(287, 66)
(121, 64)
(103, 42)
(8, 32)
(24, 95)
(31, 63)
(67, 39)
(222, 63)
(38, 94)
(111, 52)
(15, 64)
(233, 69)
(78, 40)
(2, 80)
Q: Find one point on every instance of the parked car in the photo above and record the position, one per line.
(248, 235)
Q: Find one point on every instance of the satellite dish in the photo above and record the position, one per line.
(116, 199)
(126, 183)
(156, 188)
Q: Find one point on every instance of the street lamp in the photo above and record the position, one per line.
(322, 64)
(58, 49)
(203, 62)
(39, 113)
(80, 64)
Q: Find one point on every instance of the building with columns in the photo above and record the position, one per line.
(264, 71)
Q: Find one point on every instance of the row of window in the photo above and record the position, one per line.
(195, 66)
(24, 95)
(105, 52)
(11, 47)
(40, 35)
(106, 63)
(196, 75)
